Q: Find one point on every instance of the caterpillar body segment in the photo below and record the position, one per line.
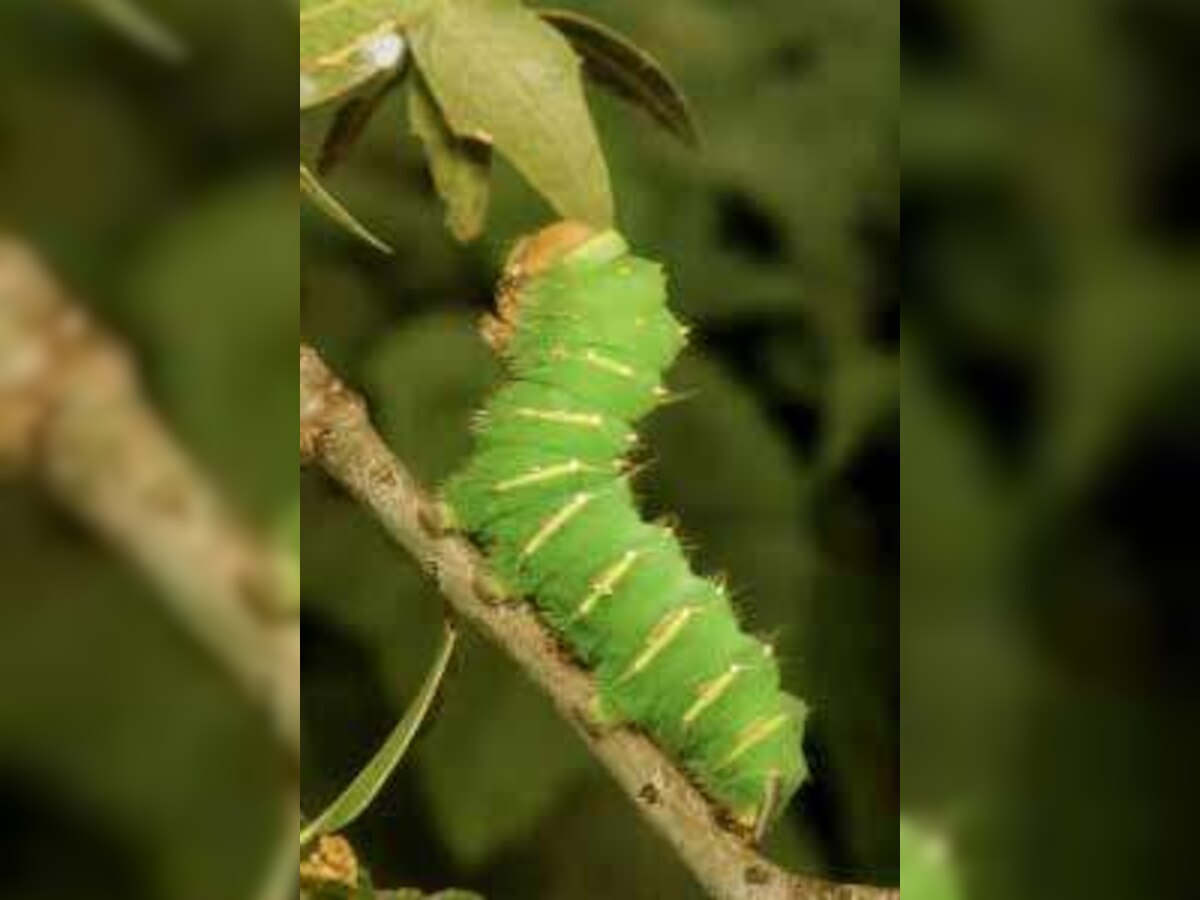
(586, 336)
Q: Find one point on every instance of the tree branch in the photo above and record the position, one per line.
(72, 415)
(336, 433)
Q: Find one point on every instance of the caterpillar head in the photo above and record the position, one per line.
(530, 257)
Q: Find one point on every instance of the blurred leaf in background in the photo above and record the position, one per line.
(161, 194)
(926, 869)
(1049, 267)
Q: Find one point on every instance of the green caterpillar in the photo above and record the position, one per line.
(585, 331)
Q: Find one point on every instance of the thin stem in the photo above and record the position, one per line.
(337, 435)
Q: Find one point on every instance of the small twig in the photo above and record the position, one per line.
(72, 415)
(336, 433)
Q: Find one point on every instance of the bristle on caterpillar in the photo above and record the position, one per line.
(585, 333)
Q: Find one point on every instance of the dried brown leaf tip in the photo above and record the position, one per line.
(330, 862)
(535, 254)
(530, 257)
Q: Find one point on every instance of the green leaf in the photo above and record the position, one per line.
(355, 799)
(460, 166)
(137, 25)
(312, 188)
(613, 61)
(503, 76)
(345, 43)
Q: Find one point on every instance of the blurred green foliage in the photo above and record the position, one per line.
(927, 872)
(162, 195)
(1050, 274)
(781, 465)
(1047, 367)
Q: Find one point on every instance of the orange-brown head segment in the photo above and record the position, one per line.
(531, 256)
